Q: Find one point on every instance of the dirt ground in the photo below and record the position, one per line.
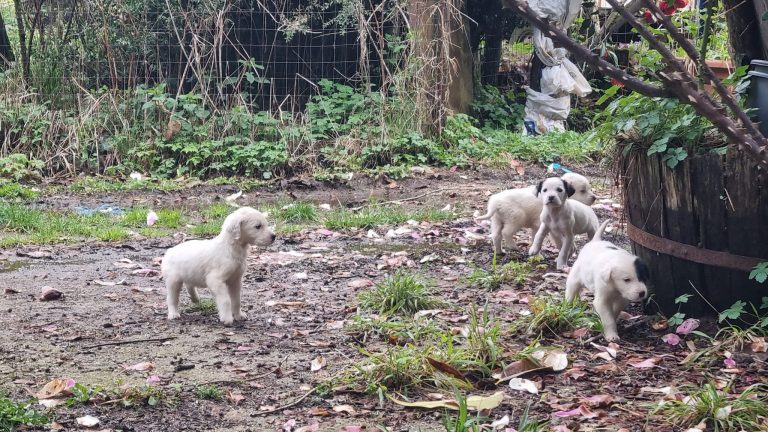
(300, 295)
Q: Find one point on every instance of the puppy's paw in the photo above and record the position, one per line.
(226, 321)
(241, 316)
(611, 337)
(565, 268)
(173, 315)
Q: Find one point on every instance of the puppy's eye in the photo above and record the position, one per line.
(559, 189)
(545, 190)
(257, 226)
(627, 279)
(583, 191)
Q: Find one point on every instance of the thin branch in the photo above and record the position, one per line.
(585, 54)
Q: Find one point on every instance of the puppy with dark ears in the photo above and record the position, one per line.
(562, 217)
(513, 209)
(615, 276)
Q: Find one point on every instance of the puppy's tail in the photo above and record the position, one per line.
(600, 230)
(491, 212)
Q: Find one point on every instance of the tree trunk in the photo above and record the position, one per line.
(6, 51)
(744, 31)
(460, 89)
(22, 41)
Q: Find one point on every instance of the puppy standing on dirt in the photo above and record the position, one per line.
(513, 209)
(563, 217)
(616, 277)
(218, 263)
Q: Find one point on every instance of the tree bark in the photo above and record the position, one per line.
(6, 50)
(23, 52)
(744, 31)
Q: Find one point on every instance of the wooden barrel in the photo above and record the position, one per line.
(701, 227)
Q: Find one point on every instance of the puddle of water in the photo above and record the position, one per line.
(7, 266)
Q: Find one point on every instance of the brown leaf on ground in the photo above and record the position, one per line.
(446, 368)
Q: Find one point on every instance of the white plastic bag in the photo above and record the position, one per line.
(546, 112)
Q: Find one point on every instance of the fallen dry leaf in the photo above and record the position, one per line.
(344, 409)
(758, 344)
(475, 403)
(317, 363)
(319, 412)
(687, 326)
(446, 368)
(517, 368)
(235, 398)
(143, 366)
(644, 364)
(103, 283)
(523, 384)
(87, 421)
(55, 388)
(360, 283)
(671, 339)
(311, 428)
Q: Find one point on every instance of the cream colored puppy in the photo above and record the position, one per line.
(218, 263)
(514, 209)
(562, 217)
(615, 276)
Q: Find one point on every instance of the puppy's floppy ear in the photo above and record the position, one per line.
(641, 268)
(568, 188)
(232, 226)
(605, 274)
(538, 188)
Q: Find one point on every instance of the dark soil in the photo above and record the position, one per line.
(298, 296)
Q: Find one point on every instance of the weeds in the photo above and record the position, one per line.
(373, 216)
(143, 395)
(400, 293)
(527, 424)
(14, 414)
(204, 307)
(463, 422)
(512, 272)
(11, 190)
(394, 329)
(483, 340)
(557, 315)
(718, 408)
(210, 392)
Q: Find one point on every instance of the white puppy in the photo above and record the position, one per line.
(613, 274)
(218, 263)
(562, 217)
(514, 209)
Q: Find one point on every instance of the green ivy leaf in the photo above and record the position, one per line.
(733, 312)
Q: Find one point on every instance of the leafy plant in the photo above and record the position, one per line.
(513, 272)
(558, 315)
(463, 422)
(760, 272)
(496, 110)
(14, 414)
(18, 167)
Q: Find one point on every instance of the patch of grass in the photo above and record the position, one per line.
(527, 424)
(462, 422)
(213, 218)
(166, 218)
(483, 340)
(558, 315)
(513, 272)
(204, 307)
(718, 409)
(210, 392)
(11, 190)
(376, 215)
(394, 329)
(101, 185)
(297, 212)
(402, 292)
(14, 414)
(401, 368)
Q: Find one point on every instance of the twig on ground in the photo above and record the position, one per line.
(288, 405)
(126, 342)
(398, 201)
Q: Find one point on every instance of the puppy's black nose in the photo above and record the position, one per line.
(551, 198)
(642, 294)
(274, 236)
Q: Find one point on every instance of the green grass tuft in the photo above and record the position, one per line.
(558, 315)
(210, 392)
(402, 293)
(14, 414)
(373, 216)
(204, 307)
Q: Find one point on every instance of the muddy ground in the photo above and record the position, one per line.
(300, 295)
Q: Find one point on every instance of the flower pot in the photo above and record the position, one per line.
(721, 68)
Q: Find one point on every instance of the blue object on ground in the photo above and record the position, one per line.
(556, 166)
(530, 128)
(104, 208)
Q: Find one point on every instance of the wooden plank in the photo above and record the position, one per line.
(682, 227)
(707, 189)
